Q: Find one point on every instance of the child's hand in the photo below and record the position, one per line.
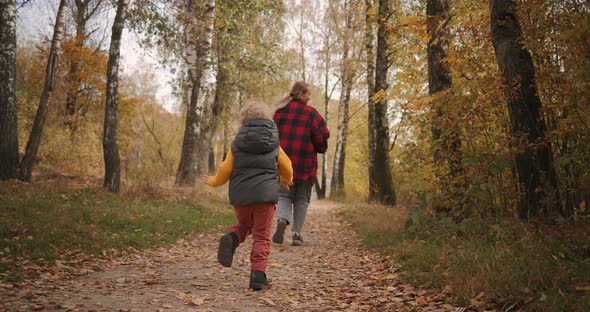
(287, 186)
(205, 179)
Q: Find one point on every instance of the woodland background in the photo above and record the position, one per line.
(466, 159)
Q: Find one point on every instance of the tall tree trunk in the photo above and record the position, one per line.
(302, 42)
(445, 135)
(112, 163)
(337, 183)
(226, 140)
(187, 168)
(8, 107)
(211, 164)
(205, 135)
(320, 186)
(535, 161)
(83, 10)
(384, 191)
(223, 94)
(370, 50)
(190, 64)
(26, 165)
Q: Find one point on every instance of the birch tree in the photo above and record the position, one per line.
(8, 108)
(26, 165)
(337, 183)
(534, 161)
(112, 177)
(320, 186)
(384, 187)
(187, 168)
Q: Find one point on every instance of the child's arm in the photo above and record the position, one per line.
(285, 169)
(224, 171)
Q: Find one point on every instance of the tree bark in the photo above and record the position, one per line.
(445, 135)
(385, 191)
(26, 165)
(223, 94)
(205, 135)
(82, 11)
(337, 183)
(187, 168)
(320, 186)
(534, 162)
(112, 162)
(370, 50)
(8, 107)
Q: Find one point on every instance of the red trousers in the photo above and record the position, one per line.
(255, 219)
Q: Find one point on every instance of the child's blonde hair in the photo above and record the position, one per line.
(254, 110)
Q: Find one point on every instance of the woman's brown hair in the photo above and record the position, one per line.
(298, 88)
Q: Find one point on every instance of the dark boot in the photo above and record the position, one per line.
(297, 239)
(227, 247)
(258, 280)
(277, 238)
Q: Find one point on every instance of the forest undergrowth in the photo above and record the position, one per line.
(536, 267)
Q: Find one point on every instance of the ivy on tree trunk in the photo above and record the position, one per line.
(445, 133)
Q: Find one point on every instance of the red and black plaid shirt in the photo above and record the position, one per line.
(303, 133)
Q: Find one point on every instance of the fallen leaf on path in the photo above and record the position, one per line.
(24, 292)
(197, 301)
(6, 286)
(60, 265)
(33, 267)
(151, 282)
(67, 306)
(268, 301)
(391, 276)
(188, 299)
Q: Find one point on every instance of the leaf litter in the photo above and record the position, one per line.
(330, 272)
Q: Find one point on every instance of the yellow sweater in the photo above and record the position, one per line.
(226, 167)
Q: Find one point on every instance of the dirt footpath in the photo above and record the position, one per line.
(330, 273)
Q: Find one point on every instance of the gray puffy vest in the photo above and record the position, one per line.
(255, 175)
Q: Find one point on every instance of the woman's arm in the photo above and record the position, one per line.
(319, 133)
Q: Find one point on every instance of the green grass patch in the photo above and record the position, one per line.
(42, 223)
(535, 268)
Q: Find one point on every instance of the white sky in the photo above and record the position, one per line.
(35, 21)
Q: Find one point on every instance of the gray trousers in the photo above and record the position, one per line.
(292, 205)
